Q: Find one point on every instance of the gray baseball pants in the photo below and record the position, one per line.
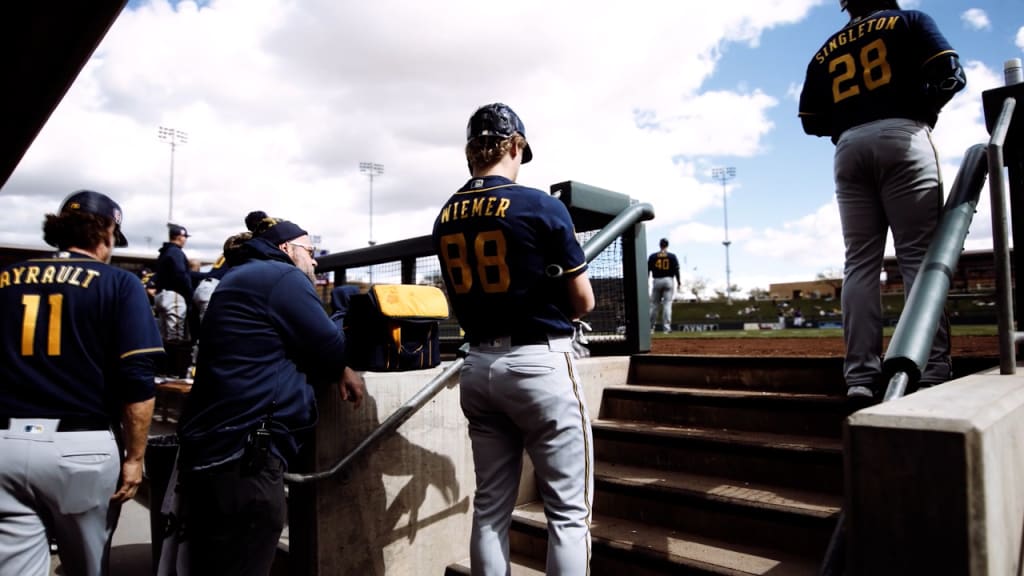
(58, 483)
(172, 310)
(887, 177)
(530, 397)
(663, 291)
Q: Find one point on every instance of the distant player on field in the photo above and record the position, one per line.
(663, 266)
(875, 88)
(519, 385)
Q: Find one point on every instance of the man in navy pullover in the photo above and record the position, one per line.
(265, 341)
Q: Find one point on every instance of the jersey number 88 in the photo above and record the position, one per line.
(489, 248)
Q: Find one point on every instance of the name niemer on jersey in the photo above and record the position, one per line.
(470, 208)
(851, 33)
(48, 274)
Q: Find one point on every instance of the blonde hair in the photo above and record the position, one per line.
(484, 152)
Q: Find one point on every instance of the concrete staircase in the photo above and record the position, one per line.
(709, 465)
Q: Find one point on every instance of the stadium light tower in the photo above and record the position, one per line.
(371, 170)
(172, 137)
(724, 175)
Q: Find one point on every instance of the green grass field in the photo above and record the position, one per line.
(958, 330)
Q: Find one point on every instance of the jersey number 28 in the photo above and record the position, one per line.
(489, 248)
(875, 71)
(30, 319)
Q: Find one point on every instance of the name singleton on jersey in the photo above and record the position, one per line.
(473, 207)
(855, 32)
(48, 274)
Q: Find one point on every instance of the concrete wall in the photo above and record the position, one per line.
(935, 481)
(406, 508)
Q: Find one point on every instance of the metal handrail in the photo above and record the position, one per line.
(616, 227)
(910, 346)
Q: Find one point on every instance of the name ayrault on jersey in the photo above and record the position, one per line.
(48, 274)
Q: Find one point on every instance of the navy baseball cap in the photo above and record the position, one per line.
(500, 121)
(174, 230)
(99, 204)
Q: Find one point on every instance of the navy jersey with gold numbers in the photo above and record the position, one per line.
(494, 239)
(70, 322)
(663, 265)
(873, 68)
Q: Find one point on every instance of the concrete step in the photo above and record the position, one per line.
(818, 375)
(791, 461)
(796, 521)
(626, 547)
(521, 566)
(778, 412)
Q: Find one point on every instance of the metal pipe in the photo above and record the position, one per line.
(897, 387)
(1000, 240)
(911, 343)
(387, 427)
(616, 227)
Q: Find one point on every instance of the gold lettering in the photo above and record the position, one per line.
(17, 273)
(445, 213)
(33, 275)
(502, 206)
(478, 206)
(48, 274)
(63, 274)
(860, 30)
(832, 45)
(5, 279)
(91, 274)
(490, 206)
(464, 209)
(74, 277)
(891, 24)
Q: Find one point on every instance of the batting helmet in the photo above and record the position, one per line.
(500, 121)
(100, 205)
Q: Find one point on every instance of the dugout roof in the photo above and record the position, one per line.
(45, 45)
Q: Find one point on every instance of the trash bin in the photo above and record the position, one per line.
(161, 452)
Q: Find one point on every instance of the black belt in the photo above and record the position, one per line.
(68, 423)
(515, 340)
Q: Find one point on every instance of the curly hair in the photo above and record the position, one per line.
(484, 152)
(76, 230)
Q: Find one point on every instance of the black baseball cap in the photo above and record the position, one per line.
(175, 230)
(500, 121)
(99, 204)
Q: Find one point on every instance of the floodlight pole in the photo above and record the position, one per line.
(172, 137)
(724, 175)
(371, 169)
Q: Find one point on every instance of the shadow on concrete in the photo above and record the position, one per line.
(378, 524)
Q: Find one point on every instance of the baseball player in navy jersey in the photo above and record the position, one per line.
(77, 347)
(663, 267)
(875, 88)
(519, 387)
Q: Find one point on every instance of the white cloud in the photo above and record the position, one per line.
(976, 19)
(1020, 38)
(282, 100)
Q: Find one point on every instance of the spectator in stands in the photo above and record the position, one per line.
(663, 266)
(266, 341)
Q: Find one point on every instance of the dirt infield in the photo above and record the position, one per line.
(963, 346)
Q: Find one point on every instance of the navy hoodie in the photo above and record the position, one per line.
(265, 340)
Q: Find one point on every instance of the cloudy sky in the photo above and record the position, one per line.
(282, 99)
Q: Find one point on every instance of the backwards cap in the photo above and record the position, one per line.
(91, 202)
(499, 121)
